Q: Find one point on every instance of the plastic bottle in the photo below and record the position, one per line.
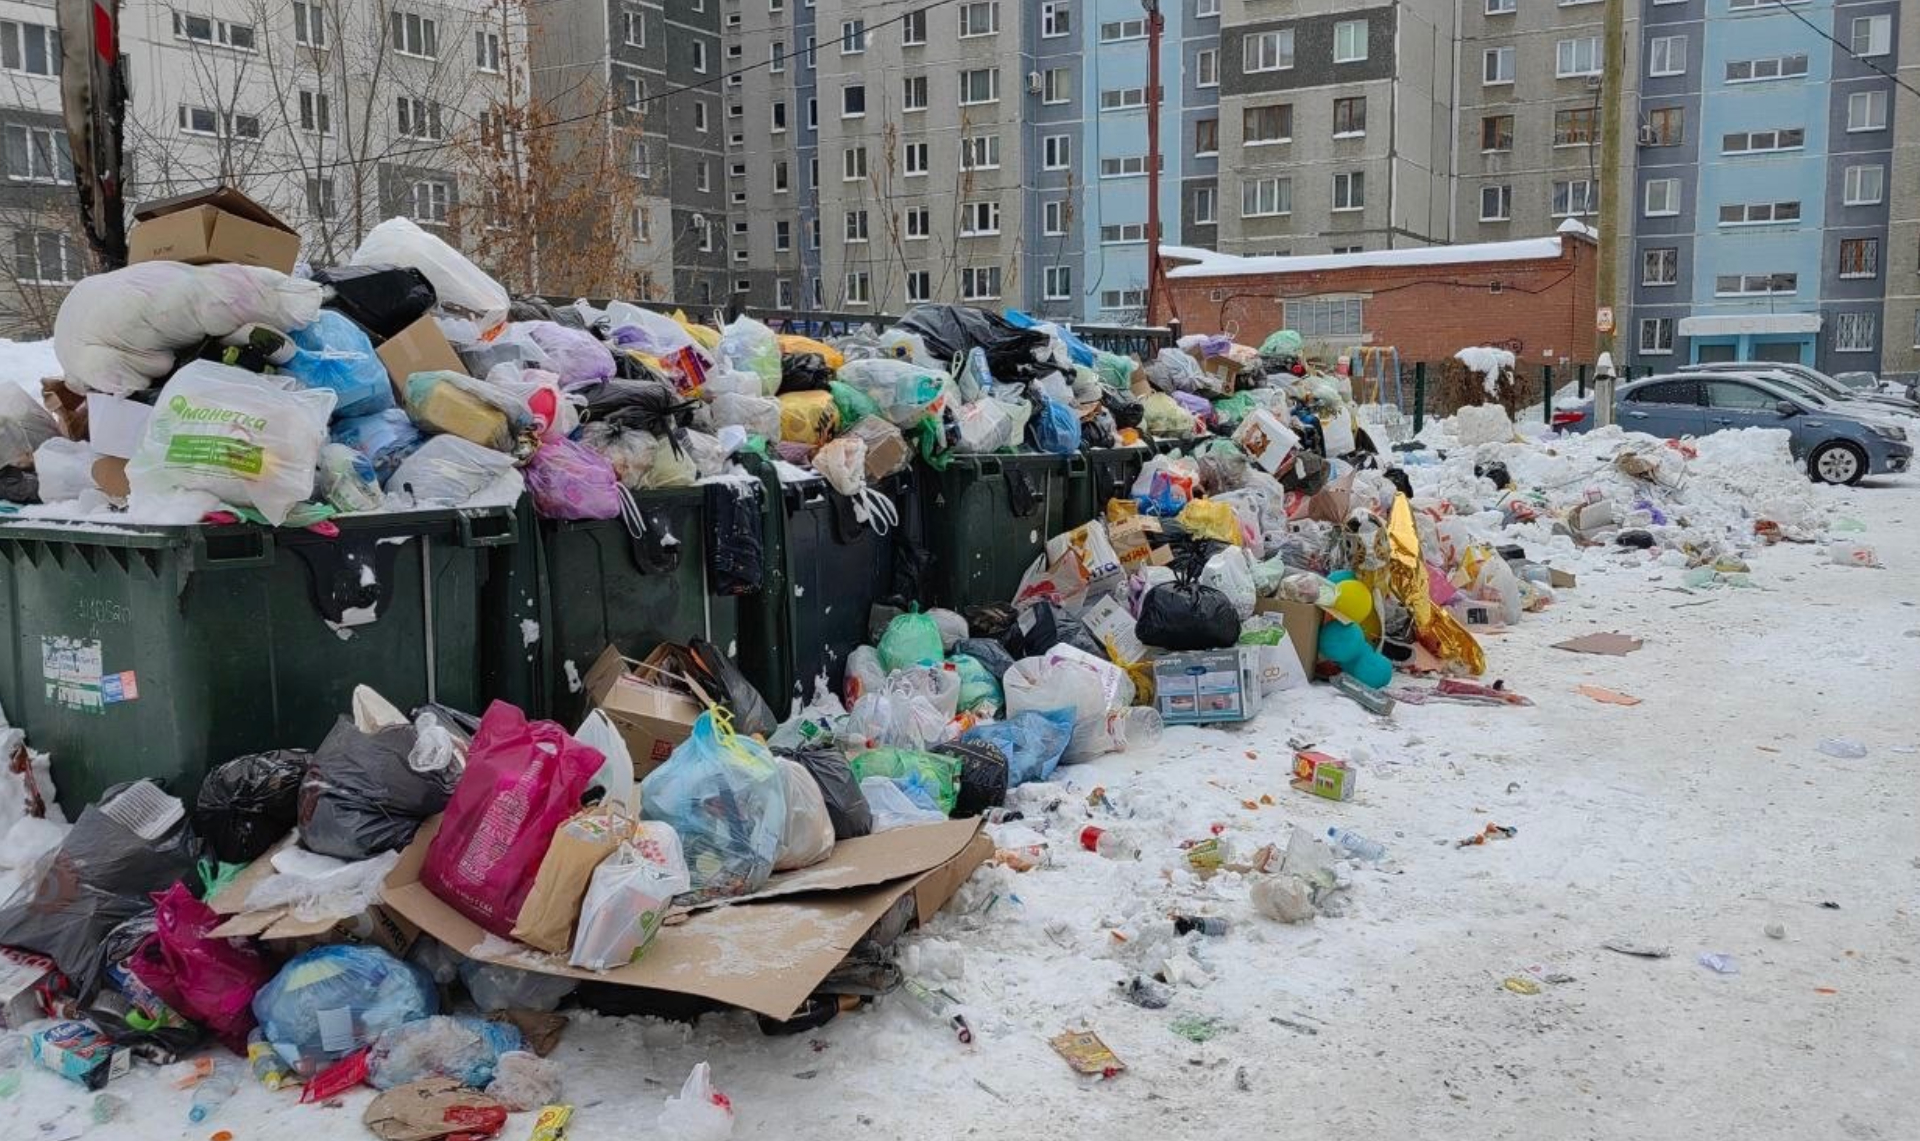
(937, 1005)
(1210, 925)
(1354, 844)
(268, 1068)
(212, 1093)
(1108, 843)
(13, 1063)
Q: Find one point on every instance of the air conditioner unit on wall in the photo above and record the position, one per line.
(1033, 83)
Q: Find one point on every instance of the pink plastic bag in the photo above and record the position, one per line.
(569, 480)
(210, 981)
(523, 779)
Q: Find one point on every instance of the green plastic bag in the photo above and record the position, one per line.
(1114, 370)
(978, 686)
(1234, 409)
(911, 639)
(852, 403)
(922, 776)
(1284, 343)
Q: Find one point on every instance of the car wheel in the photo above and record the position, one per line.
(1837, 462)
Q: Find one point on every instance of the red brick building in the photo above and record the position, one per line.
(1535, 297)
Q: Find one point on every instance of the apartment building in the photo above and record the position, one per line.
(1900, 340)
(772, 124)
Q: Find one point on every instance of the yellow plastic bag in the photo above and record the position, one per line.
(792, 344)
(808, 417)
(1211, 519)
(706, 336)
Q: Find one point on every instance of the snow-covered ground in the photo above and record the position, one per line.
(1691, 821)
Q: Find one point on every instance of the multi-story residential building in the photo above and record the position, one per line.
(1201, 66)
(1900, 339)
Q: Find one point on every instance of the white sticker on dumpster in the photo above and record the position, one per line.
(71, 667)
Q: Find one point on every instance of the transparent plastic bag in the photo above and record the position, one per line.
(725, 797)
(759, 415)
(348, 481)
(65, 468)
(495, 987)
(462, 1048)
(905, 392)
(893, 808)
(447, 402)
(575, 356)
(699, 1112)
(568, 480)
(524, 1081)
(864, 674)
(895, 715)
(749, 346)
(807, 837)
(986, 425)
(334, 353)
(385, 438)
(461, 287)
(331, 1001)
(1231, 573)
(928, 778)
(1034, 742)
(448, 471)
(1066, 679)
(630, 894)
(25, 424)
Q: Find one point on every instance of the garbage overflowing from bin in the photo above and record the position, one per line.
(405, 902)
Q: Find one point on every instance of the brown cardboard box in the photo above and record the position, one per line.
(1303, 627)
(885, 456)
(650, 717)
(377, 926)
(420, 347)
(211, 226)
(765, 952)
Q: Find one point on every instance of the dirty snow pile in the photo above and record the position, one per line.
(1489, 363)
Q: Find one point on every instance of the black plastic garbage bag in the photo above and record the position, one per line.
(988, 652)
(101, 876)
(983, 775)
(540, 309)
(361, 798)
(723, 681)
(1187, 614)
(19, 485)
(804, 372)
(846, 804)
(247, 804)
(382, 299)
(1128, 410)
(648, 404)
(1045, 626)
(950, 330)
(991, 620)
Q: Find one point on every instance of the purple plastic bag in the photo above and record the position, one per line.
(569, 480)
(578, 357)
(1198, 405)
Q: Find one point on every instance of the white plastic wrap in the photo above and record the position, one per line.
(807, 837)
(463, 288)
(447, 471)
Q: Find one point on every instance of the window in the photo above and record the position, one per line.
(1576, 127)
(916, 160)
(703, 177)
(1750, 142)
(1206, 68)
(1123, 98)
(1496, 203)
(913, 28)
(853, 101)
(194, 121)
(1667, 125)
(320, 200)
(919, 224)
(1123, 166)
(1660, 266)
(1577, 57)
(1053, 218)
(1350, 116)
(782, 235)
(1735, 395)
(1056, 152)
(783, 294)
(1662, 198)
(780, 177)
(1326, 317)
(979, 219)
(819, 294)
(812, 52)
(855, 224)
(1754, 284)
(309, 29)
(1350, 41)
(1853, 332)
(1203, 9)
(853, 35)
(859, 288)
(1056, 86)
(1496, 133)
(633, 27)
(1872, 35)
(1120, 30)
(699, 116)
(813, 114)
(486, 51)
(1206, 137)
(853, 164)
(415, 35)
(1867, 111)
(1496, 67)
(633, 90)
(1574, 197)
(777, 121)
(1269, 124)
(919, 285)
(979, 19)
(1916, 330)
(1124, 233)
(1677, 393)
(980, 152)
(1267, 51)
(417, 118)
(44, 257)
(981, 85)
(1056, 18)
(206, 30)
(1860, 257)
(980, 283)
(1058, 283)
(813, 240)
(1759, 213)
(779, 5)
(813, 174)
(1350, 190)
(1667, 55)
(1502, 7)
(430, 200)
(1123, 299)
(700, 56)
(642, 165)
(1656, 337)
(1266, 197)
(777, 56)
(913, 93)
(1206, 206)
(1773, 67)
(1865, 185)
(316, 113)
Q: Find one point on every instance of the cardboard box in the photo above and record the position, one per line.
(1561, 580)
(212, 226)
(420, 347)
(1205, 687)
(1303, 627)
(649, 717)
(1132, 541)
(765, 952)
(81, 1052)
(377, 926)
(885, 457)
(1323, 775)
(25, 978)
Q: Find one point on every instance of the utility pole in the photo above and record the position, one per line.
(1616, 200)
(1155, 283)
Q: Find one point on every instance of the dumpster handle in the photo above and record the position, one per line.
(237, 547)
(1022, 496)
(487, 529)
(426, 606)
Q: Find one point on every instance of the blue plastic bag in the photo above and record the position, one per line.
(331, 1001)
(385, 438)
(333, 353)
(727, 798)
(1081, 353)
(1034, 742)
(1056, 430)
(463, 1048)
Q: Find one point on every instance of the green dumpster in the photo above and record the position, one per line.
(837, 568)
(986, 519)
(1107, 474)
(163, 651)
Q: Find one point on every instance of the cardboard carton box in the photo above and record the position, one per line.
(24, 978)
(1205, 687)
(420, 347)
(650, 717)
(212, 226)
(1323, 775)
(1303, 627)
(377, 926)
(885, 456)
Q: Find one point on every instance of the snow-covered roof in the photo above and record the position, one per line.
(1207, 263)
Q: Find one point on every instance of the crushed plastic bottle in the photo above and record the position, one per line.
(1719, 963)
(1353, 844)
(213, 1092)
(1844, 748)
(1109, 844)
(268, 1067)
(1209, 925)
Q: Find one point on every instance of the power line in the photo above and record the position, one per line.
(1848, 48)
(439, 146)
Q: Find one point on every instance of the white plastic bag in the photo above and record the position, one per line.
(1230, 573)
(1069, 679)
(898, 715)
(117, 332)
(65, 468)
(808, 836)
(615, 777)
(25, 424)
(463, 288)
(447, 471)
(235, 435)
(953, 627)
(759, 415)
(893, 808)
(986, 425)
(628, 898)
(699, 1112)
(749, 346)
